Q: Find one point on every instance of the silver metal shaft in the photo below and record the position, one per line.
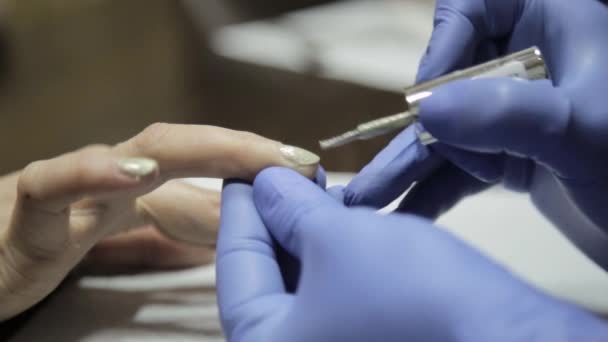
(371, 129)
(526, 64)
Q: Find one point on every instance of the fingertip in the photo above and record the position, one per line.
(337, 192)
(247, 269)
(91, 172)
(230, 181)
(104, 177)
(392, 172)
(321, 177)
(235, 194)
(451, 46)
(241, 227)
(276, 174)
(238, 213)
(285, 201)
(354, 194)
(375, 185)
(276, 183)
(300, 160)
(271, 182)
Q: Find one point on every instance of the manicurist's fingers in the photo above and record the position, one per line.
(249, 281)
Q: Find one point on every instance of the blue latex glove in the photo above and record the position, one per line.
(550, 140)
(367, 277)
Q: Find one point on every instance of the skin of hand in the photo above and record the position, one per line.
(120, 207)
(547, 138)
(367, 277)
(145, 247)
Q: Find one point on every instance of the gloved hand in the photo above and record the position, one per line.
(367, 277)
(549, 139)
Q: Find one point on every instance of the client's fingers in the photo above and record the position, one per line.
(52, 185)
(43, 241)
(183, 212)
(41, 226)
(143, 249)
(197, 151)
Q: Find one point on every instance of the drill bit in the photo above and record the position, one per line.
(527, 64)
(371, 129)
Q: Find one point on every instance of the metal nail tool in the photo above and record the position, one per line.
(528, 64)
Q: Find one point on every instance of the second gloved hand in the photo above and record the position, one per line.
(548, 139)
(367, 277)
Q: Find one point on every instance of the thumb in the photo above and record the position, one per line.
(520, 118)
(293, 208)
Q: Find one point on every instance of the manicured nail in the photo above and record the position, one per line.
(138, 167)
(299, 156)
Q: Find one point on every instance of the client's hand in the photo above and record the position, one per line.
(115, 206)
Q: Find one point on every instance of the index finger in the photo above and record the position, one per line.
(247, 268)
(207, 151)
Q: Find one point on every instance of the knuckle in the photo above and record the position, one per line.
(37, 252)
(151, 136)
(249, 136)
(24, 252)
(12, 279)
(559, 119)
(26, 183)
(85, 170)
(83, 174)
(238, 151)
(87, 156)
(95, 149)
(82, 169)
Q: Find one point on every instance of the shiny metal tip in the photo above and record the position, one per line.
(340, 140)
(371, 129)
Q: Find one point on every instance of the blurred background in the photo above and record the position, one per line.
(76, 72)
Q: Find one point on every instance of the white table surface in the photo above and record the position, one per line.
(180, 306)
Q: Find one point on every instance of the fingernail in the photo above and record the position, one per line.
(138, 167)
(299, 156)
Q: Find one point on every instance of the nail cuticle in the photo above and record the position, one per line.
(299, 156)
